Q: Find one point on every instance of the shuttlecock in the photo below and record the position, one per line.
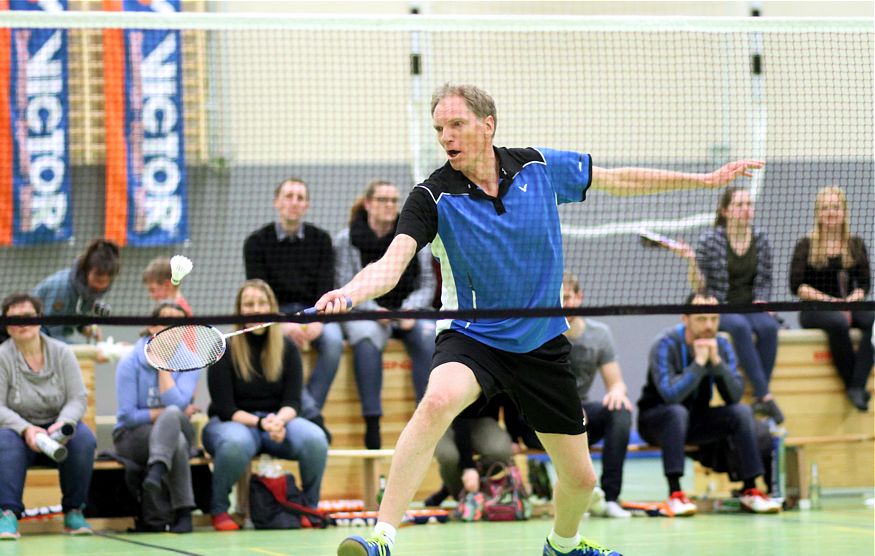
(179, 268)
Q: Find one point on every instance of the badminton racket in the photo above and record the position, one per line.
(190, 347)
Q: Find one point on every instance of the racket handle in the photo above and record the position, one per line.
(314, 310)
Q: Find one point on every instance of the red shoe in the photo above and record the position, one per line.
(223, 522)
(680, 505)
(754, 501)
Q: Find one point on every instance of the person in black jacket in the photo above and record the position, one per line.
(686, 363)
(296, 259)
(255, 392)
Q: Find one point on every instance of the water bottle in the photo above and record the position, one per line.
(269, 468)
(814, 488)
(382, 489)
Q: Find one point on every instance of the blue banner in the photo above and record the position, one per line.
(38, 109)
(153, 128)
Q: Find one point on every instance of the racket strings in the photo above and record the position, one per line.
(185, 347)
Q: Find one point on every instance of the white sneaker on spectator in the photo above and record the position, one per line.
(680, 505)
(614, 509)
(754, 501)
(597, 502)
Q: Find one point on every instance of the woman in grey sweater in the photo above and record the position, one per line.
(41, 392)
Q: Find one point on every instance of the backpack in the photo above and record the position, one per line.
(506, 495)
(277, 503)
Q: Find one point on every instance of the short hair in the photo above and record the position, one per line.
(160, 306)
(691, 297)
(158, 270)
(167, 304)
(290, 179)
(572, 280)
(101, 255)
(479, 101)
(22, 297)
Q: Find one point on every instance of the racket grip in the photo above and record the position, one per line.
(314, 310)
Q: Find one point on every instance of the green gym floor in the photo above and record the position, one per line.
(845, 526)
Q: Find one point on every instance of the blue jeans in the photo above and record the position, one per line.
(757, 360)
(74, 472)
(329, 344)
(368, 364)
(233, 445)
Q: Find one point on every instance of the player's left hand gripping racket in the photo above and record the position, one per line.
(191, 347)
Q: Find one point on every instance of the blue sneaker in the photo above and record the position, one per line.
(358, 546)
(8, 526)
(75, 524)
(585, 548)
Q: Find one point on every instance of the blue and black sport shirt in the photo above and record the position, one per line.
(501, 252)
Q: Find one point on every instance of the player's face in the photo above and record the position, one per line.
(740, 209)
(465, 138)
(382, 206)
(702, 325)
(26, 332)
(159, 290)
(292, 202)
(831, 210)
(254, 301)
(165, 312)
(97, 281)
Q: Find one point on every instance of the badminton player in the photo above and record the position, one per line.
(491, 217)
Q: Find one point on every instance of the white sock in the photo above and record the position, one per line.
(383, 528)
(565, 544)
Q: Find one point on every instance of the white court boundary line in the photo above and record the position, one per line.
(369, 22)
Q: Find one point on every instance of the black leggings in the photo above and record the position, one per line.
(854, 368)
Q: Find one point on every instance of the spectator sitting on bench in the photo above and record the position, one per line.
(156, 278)
(475, 431)
(686, 362)
(373, 218)
(255, 392)
(41, 391)
(296, 259)
(735, 259)
(153, 425)
(592, 349)
(829, 264)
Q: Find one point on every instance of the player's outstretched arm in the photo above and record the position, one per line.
(640, 181)
(374, 280)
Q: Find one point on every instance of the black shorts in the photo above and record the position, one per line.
(539, 382)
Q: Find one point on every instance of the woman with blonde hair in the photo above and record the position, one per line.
(255, 391)
(830, 264)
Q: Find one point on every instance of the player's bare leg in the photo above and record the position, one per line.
(451, 388)
(571, 495)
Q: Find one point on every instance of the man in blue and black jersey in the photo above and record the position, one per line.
(491, 217)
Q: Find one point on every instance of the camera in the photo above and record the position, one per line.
(101, 309)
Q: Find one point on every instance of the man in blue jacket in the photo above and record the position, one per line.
(686, 363)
